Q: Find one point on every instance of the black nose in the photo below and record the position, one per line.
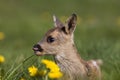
(37, 47)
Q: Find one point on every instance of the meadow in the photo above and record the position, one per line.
(24, 22)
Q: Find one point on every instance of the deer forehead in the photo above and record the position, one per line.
(52, 32)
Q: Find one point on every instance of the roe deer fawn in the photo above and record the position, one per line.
(59, 42)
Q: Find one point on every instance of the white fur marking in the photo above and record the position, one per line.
(94, 63)
(54, 19)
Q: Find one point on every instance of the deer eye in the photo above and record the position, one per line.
(50, 39)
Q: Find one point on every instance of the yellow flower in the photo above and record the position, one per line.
(55, 75)
(33, 71)
(54, 69)
(50, 65)
(22, 78)
(2, 36)
(2, 59)
(42, 72)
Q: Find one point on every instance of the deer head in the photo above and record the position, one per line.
(57, 39)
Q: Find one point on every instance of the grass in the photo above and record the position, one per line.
(25, 22)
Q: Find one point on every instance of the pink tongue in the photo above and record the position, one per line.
(35, 49)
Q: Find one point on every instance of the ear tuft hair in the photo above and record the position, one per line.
(57, 22)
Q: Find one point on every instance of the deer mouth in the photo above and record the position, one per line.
(38, 53)
(38, 50)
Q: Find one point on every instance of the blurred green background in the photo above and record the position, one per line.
(97, 35)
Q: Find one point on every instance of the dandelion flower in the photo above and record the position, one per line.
(33, 71)
(54, 69)
(2, 59)
(22, 78)
(42, 72)
(55, 75)
(50, 65)
(2, 36)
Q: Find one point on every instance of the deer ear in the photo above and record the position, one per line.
(57, 22)
(70, 24)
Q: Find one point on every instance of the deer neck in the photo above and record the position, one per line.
(70, 62)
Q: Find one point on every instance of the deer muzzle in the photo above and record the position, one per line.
(38, 49)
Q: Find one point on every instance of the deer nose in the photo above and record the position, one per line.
(37, 47)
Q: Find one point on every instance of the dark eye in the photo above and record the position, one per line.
(50, 39)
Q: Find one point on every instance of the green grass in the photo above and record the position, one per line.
(25, 22)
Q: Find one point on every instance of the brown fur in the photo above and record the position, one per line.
(65, 52)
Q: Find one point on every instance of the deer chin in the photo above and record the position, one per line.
(38, 53)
